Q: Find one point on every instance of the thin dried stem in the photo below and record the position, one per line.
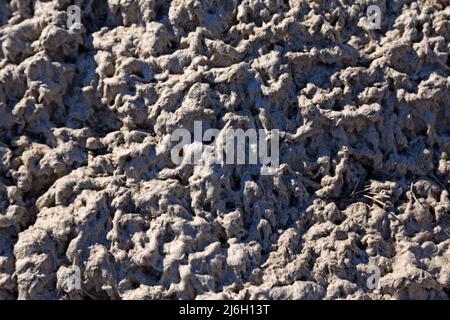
(414, 196)
(375, 200)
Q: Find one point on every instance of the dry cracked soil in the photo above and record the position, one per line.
(88, 186)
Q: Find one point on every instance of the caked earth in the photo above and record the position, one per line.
(357, 208)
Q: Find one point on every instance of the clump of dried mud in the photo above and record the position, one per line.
(86, 178)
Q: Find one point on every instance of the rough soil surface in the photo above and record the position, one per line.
(86, 177)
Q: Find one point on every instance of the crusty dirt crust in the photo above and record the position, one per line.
(87, 182)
